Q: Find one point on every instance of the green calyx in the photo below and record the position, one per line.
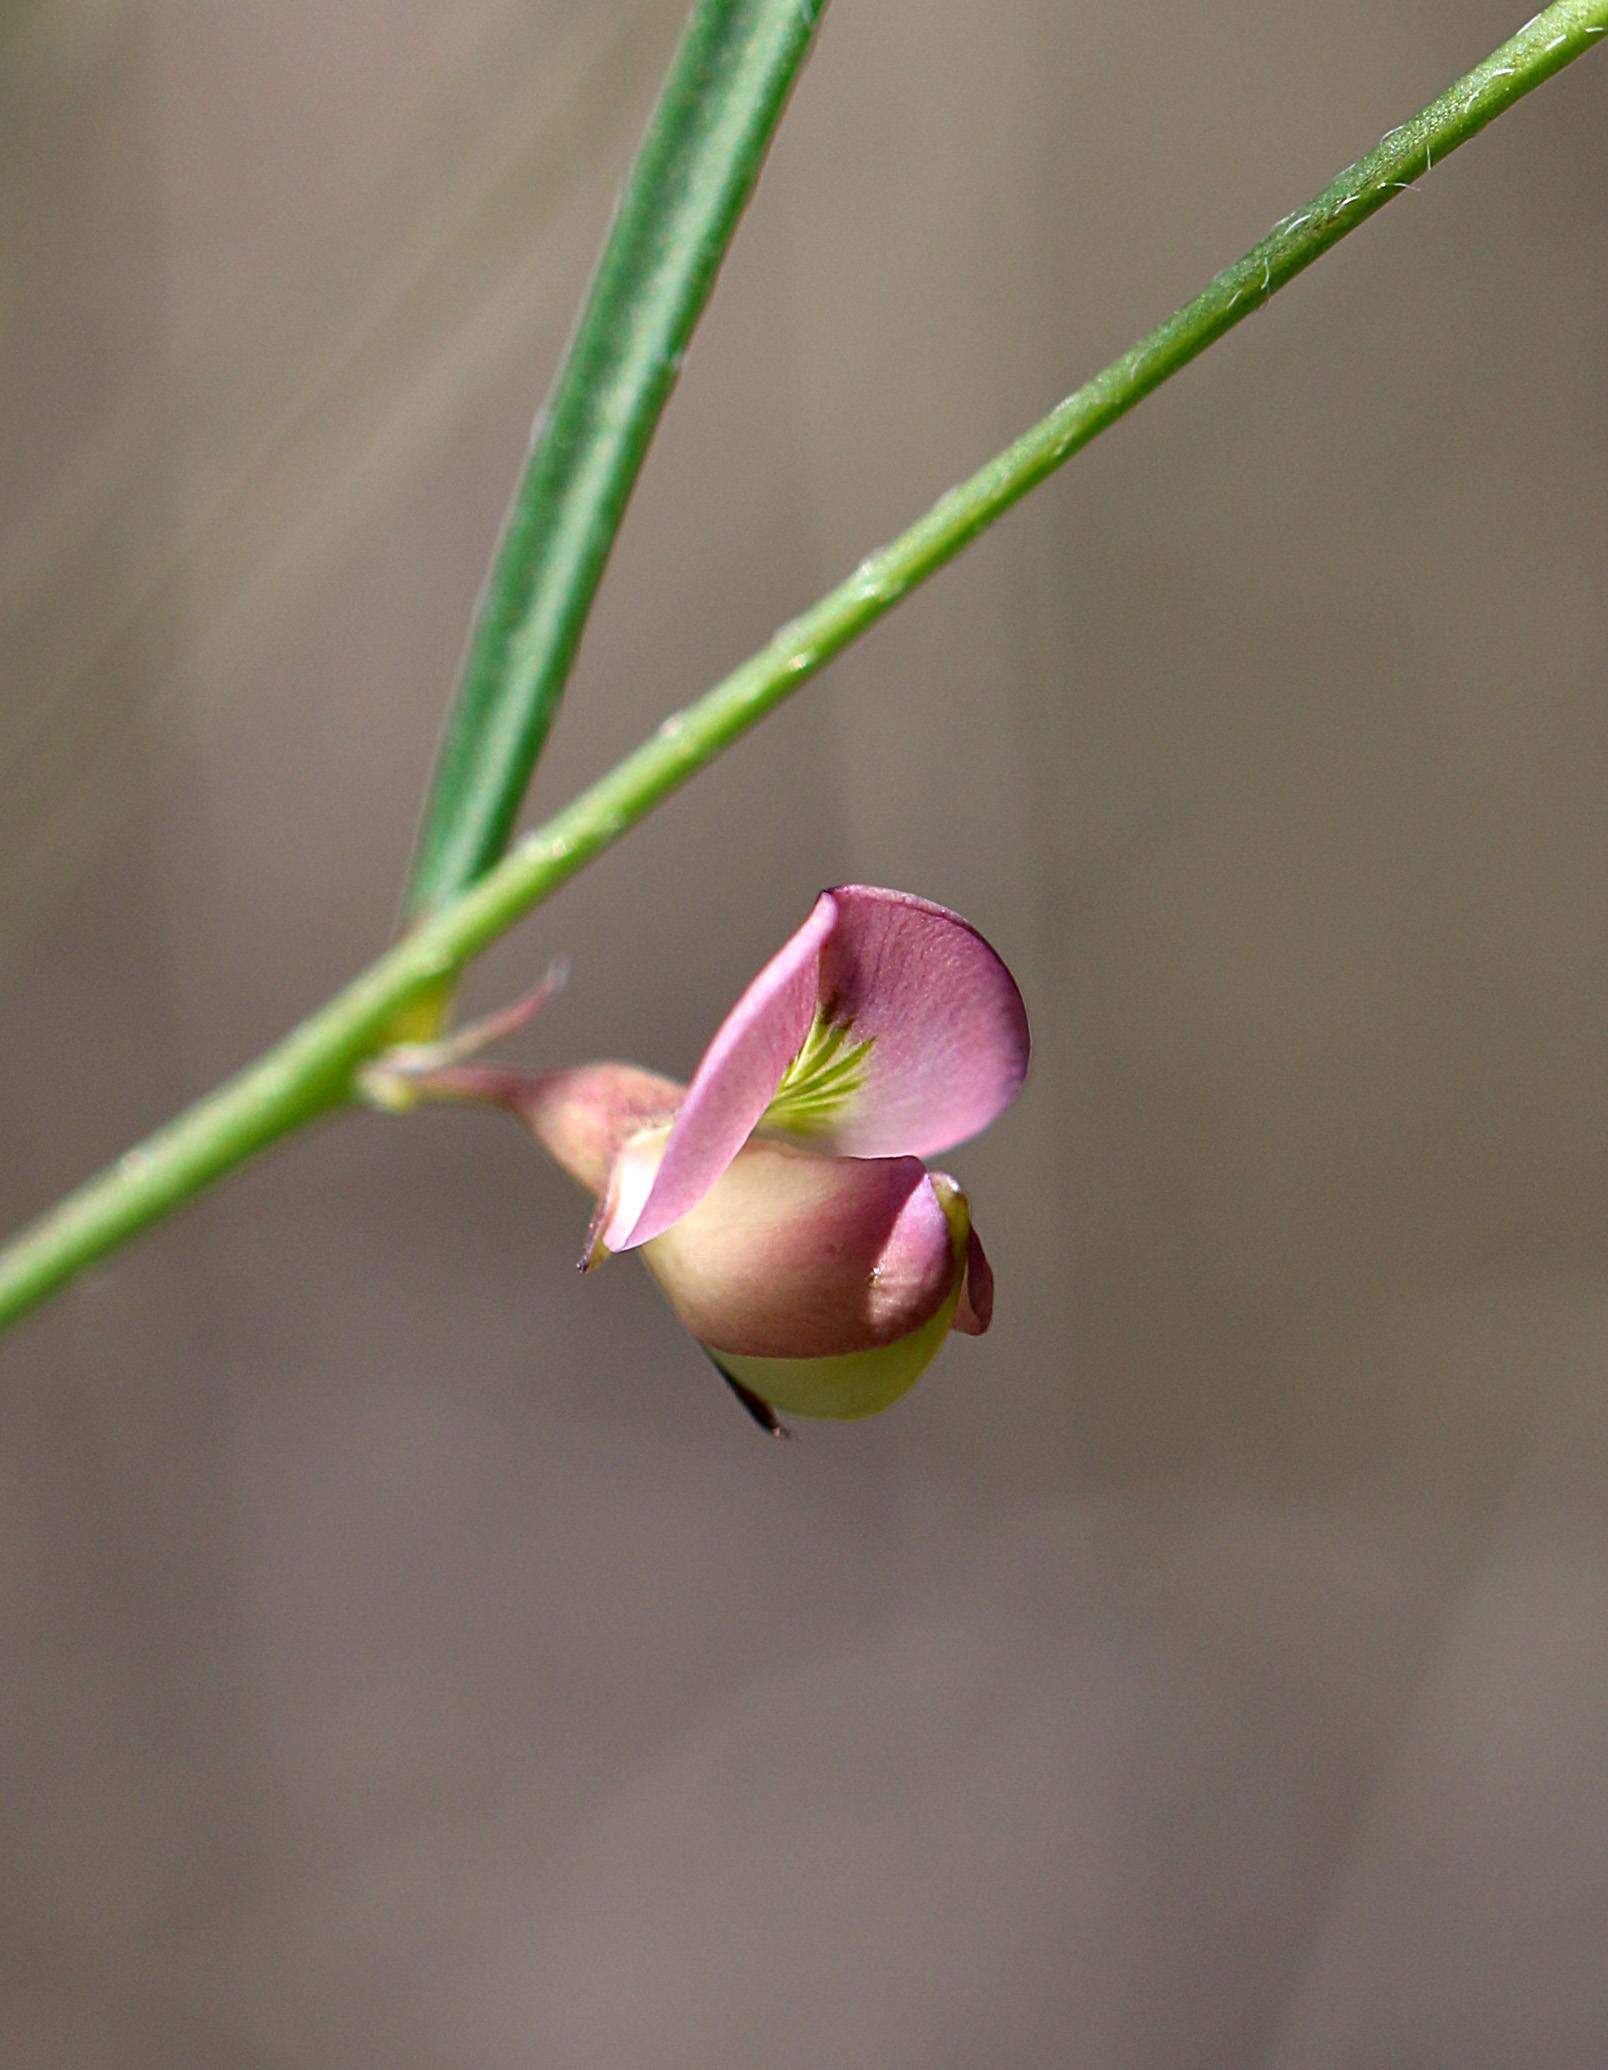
(820, 1081)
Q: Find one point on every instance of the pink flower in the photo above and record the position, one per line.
(781, 1199)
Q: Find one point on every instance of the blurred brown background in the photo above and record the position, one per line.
(412, 1657)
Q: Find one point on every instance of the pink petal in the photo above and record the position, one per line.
(794, 1256)
(733, 1084)
(947, 1025)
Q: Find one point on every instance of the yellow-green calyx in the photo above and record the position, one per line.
(820, 1081)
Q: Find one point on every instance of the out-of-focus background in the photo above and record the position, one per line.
(412, 1657)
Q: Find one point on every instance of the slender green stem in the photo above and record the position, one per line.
(312, 1069)
(692, 178)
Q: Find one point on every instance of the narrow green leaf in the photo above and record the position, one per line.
(692, 178)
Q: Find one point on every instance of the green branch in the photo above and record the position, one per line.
(692, 178)
(311, 1071)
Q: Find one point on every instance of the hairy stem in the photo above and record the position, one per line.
(312, 1070)
(692, 178)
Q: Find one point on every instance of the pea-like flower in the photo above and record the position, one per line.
(782, 1199)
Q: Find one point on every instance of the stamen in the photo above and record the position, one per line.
(821, 1080)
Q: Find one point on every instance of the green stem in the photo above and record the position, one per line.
(692, 178)
(312, 1069)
